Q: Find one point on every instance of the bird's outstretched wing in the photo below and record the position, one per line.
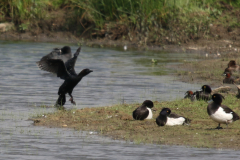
(55, 54)
(54, 66)
(70, 64)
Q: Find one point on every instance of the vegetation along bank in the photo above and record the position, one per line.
(137, 22)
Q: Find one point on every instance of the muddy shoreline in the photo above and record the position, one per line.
(200, 46)
(116, 122)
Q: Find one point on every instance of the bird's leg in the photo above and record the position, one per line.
(218, 127)
(71, 99)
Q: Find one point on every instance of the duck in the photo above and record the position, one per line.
(170, 119)
(220, 113)
(144, 111)
(204, 93)
(66, 72)
(189, 94)
(231, 67)
(233, 64)
(228, 79)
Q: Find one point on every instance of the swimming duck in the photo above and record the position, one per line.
(170, 119)
(220, 113)
(228, 79)
(189, 94)
(144, 111)
(204, 93)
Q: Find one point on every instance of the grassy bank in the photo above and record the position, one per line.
(144, 21)
(208, 71)
(116, 121)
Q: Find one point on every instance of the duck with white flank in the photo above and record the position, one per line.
(144, 111)
(220, 113)
(170, 119)
(66, 72)
(204, 93)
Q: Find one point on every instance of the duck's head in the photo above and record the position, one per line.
(189, 93)
(66, 49)
(85, 72)
(165, 112)
(227, 70)
(228, 75)
(206, 89)
(232, 63)
(217, 98)
(148, 103)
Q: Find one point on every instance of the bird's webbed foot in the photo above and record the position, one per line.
(72, 101)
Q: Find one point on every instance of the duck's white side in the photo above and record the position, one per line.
(175, 121)
(150, 115)
(222, 117)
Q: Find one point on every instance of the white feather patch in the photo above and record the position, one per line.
(149, 114)
(222, 117)
(175, 121)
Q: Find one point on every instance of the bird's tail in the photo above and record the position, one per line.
(187, 121)
(61, 100)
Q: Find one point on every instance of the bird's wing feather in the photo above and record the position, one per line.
(226, 109)
(70, 64)
(173, 115)
(54, 66)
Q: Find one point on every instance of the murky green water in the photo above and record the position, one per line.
(119, 76)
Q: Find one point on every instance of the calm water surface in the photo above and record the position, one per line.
(119, 76)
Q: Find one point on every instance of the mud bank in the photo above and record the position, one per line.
(117, 122)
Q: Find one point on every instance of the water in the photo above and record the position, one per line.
(118, 77)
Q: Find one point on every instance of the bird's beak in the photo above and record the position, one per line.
(210, 101)
(90, 70)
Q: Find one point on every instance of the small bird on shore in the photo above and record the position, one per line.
(204, 93)
(170, 119)
(228, 79)
(189, 94)
(144, 111)
(66, 72)
(220, 113)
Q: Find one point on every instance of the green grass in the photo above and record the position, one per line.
(116, 121)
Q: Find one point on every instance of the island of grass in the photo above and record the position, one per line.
(117, 122)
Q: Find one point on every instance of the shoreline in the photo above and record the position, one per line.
(116, 122)
(200, 46)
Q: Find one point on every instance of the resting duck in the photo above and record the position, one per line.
(228, 79)
(232, 67)
(204, 93)
(189, 94)
(170, 119)
(144, 111)
(220, 113)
